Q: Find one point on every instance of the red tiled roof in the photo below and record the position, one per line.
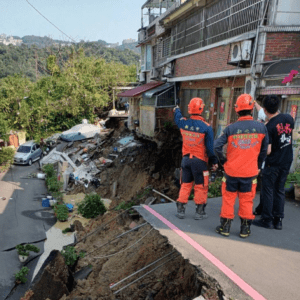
(141, 89)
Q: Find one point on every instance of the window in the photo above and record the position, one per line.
(236, 93)
(204, 94)
(34, 147)
(148, 57)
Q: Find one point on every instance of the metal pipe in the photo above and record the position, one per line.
(256, 40)
(129, 284)
(133, 229)
(163, 195)
(151, 264)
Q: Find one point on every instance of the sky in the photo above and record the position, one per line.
(88, 20)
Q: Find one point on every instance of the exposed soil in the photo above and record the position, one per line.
(136, 172)
(176, 279)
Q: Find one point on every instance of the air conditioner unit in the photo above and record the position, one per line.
(240, 52)
(250, 86)
(142, 77)
(142, 35)
(154, 73)
(168, 70)
(246, 47)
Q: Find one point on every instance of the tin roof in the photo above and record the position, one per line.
(141, 89)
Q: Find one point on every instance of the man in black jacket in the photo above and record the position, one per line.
(277, 165)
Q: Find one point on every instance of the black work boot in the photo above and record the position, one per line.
(224, 228)
(180, 210)
(277, 223)
(200, 212)
(245, 228)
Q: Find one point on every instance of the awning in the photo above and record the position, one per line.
(140, 89)
(157, 90)
(282, 68)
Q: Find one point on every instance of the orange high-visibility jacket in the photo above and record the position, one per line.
(247, 147)
(197, 137)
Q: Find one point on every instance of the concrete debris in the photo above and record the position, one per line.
(114, 189)
(54, 279)
(156, 176)
(80, 132)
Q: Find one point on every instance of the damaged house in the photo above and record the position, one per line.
(216, 50)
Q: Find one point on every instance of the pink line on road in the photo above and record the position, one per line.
(234, 277)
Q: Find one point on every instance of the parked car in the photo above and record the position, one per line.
(28, 153)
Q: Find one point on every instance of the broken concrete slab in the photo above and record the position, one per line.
(54, 278)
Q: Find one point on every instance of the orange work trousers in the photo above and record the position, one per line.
(244, 189)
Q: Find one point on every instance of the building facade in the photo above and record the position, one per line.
(219, 49)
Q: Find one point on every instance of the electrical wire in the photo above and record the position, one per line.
(107, 256)
(50, 22)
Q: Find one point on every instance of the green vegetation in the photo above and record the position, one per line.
(91, 206)
(66, 230)
(53, 184)
(21, 275)
(61, 212)
(49, 170)
(22, 59)
(6, 157)
(214, 189)
(71, 256)
(125, 205)
(55, 103)
(24, 249)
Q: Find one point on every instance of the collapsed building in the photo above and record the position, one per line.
(216, 50)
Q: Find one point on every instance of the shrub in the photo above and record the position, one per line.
(53, 184)
(6, 156)
(125, 205)
(24, 249)
(49, 170)
(71, 256)
(215, 188)
(91, 206)
(20, 276)
(62, 212)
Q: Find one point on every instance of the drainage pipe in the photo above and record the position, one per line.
(256, 40)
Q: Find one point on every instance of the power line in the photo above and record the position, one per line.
(50, 21)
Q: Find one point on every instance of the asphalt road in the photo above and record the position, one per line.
(268, 260)
(22, 220)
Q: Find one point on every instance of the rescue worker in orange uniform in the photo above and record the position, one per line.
(197, 149)
(247, 144)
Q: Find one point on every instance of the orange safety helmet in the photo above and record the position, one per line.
(196, 106)
(244, 102)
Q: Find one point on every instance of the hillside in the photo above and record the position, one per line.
(25, 58)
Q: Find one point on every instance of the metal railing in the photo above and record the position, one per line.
(225, 19)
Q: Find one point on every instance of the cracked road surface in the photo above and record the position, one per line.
(22, 220)
(268, 261)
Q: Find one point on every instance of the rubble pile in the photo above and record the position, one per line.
(114, 164)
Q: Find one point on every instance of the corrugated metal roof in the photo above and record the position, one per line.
(161, 88)
(141, 89)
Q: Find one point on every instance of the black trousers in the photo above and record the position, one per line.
(273, 194)
(192, 170)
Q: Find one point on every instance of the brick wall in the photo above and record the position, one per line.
(209, 61)
(282, 45)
